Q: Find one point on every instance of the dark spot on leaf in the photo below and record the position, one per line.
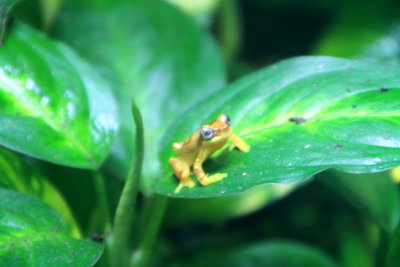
(297, 120)
(348, 90)
(97, 237)
(338, 147)
(354, 106)
(56, 228)
(350, 68)
(383, 90)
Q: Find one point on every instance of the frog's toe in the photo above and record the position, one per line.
(181, 185)
(213, 178)
(217, 177)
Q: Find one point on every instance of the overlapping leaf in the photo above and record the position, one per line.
(300, 116)
(31, 234)
(152, 53)
(53, 106)
(17, 174)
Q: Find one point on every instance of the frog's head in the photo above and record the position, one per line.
(216, 130)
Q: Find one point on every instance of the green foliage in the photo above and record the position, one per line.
(278, 253)
(19, 175)
(65, 99)
(145, 60)
(300, 116)
(223, 208)
(33, 235)
(373, 194)
(49, 110)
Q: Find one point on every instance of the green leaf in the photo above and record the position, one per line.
(277, 253)
(357, 246)
(373, 194)
(23, 176)
(152, 53)
(393, 258)
(351, 122)
(31, 234)
(354, 33)
(77, 187)
(53, 105)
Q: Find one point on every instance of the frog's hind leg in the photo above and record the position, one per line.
(182, 172)
(203, 178)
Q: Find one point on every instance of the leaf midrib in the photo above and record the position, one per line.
(284, 119)
(37, 109)
(383, 116)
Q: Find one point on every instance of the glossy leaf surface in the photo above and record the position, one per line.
(31, 234)
(299, 116)
(375, 195)
(53, 106)
(150, 52)
(278, 253)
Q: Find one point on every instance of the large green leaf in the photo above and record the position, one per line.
(277, 253)
(31, 234)
(153, 54)
(53, 106)
(17, 174)
(351, 122)
(373, 194)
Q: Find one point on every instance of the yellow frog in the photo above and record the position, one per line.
(198, 147)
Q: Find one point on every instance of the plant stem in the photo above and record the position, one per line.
(126, 206)
(383, 249)
(141, 255)
(229, 27)
(101, 195)
(5, 9)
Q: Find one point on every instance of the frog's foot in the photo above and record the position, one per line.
(189, 183)
(242, 147)
(212, 178)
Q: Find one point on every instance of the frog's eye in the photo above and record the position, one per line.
(226, 119)
(206, 133)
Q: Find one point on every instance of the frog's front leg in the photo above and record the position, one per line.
(177, 147)
(203, 178)
(239, 143)
(182, 172)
